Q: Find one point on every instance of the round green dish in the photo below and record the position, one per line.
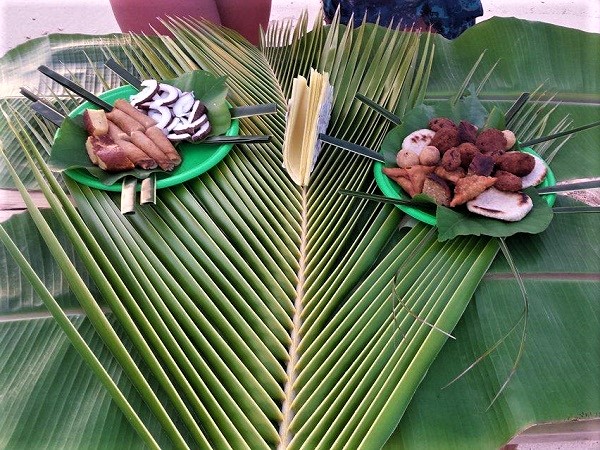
(197, 158)
(391, 189)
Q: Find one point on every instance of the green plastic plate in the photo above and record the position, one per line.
(391, 189)
(195, 158)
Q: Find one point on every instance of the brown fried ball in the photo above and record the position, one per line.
(467, 152)
(467, 132)
(437, 123)
(481, 165)
(445, 138)
(491, 141)
(451, 159)
(506, 181)
(517, 163)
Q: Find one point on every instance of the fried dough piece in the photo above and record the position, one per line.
(159, 138)
(437, 188)
(469, 187)
(134, 113)
(124, 121)
(137, 156)
(450, 175)
(152, 150)
(411, 179)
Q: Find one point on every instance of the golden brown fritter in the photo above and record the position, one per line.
(467, 132)
(437, 188)
(437, 123)
(450, 175)
(491, 141)
(517, 163)
(506, 181)
(451, 159)
(445, 138)
(481, 165)
(467, 152)
(469, 187)
(411, 179)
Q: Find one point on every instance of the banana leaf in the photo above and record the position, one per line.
(243, 311)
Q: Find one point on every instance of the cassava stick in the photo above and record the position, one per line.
(159, 138)
(152, 150)
(134, 113)
(124, 121)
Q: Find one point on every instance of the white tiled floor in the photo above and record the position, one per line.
(20, 20)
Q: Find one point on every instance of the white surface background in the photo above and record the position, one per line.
(24, 20)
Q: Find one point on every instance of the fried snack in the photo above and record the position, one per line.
(152, 150)
(411, 179)
(437, 188)
(518, 163)
(491, 141)
(469, 187)
(467, 152)
(451, 159)
(95, 122)
(438, 123)
(116, 133)
(124, 121)
(445, 138)
(467, 132)
(511, 139)
(406, 158)
(481, 165)
(137, 156)
(450, 175)
(430, 156)
(158, 137)
(134, 113)
(506, 181)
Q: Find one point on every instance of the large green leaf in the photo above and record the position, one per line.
(262, 313)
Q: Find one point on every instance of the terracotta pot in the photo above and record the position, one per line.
(245, 16)
(139, 16)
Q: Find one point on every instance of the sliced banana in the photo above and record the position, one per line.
(418, 140)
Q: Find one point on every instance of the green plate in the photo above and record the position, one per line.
(391, 189)
(195, 158)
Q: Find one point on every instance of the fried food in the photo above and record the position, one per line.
(445, 138)
(430, 156)
(406, 158)
(437, 188)
(481, 165)
(451, 159)
(437, 123)
(517, 163)
(491, 141)
(450, 175)
(467, 132)
(411, 179)
(506, 181)
(467, 153)
(469, 187)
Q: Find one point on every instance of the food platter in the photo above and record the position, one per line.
(392, 190)
(197, 158)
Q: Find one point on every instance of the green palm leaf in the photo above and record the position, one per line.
(258, 313)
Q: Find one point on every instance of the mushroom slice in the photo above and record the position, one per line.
(507, 206)
(150, 89)
(183, 105)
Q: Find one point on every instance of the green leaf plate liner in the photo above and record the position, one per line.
(197, 158)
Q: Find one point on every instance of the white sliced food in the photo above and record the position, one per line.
(183, 105)
(537, 175)
(150, 89)
(179, 137)
(198, 110)
(507, 206)
(201, 132)
(418, 140)
(162, 115)
(166, 94)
